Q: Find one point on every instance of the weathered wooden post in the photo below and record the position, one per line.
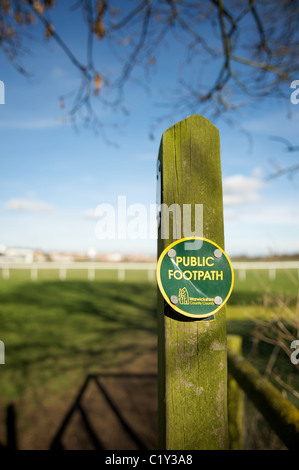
(192, 351)
(236, 403)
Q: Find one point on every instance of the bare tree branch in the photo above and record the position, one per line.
(251, 48)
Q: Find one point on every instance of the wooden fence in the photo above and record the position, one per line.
(88, 267)
(244, 378)
(240, 268)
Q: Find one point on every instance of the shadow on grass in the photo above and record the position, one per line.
(94, 298)
(11, 429)
(58, 332)
(108, 398)
(54, 327)
(123, 403)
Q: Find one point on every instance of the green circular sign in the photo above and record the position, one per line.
(195, 277)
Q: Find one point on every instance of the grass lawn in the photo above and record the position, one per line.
(56, 332)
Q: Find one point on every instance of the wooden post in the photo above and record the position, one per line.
(5, 272)
(91, 274)
(192, 360)
(236, 404)
(2, 353)
(62, 274)
(33, 274)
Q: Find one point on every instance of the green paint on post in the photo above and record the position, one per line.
(236, 425)
(192, 355)
(282, 415)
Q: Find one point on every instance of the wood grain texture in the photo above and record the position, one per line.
(235, 402)
(192, 355)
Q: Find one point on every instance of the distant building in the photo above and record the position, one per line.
(40, 256)
(115, 257)
(61, 257)
(28, 255)
(80, 257)
(140, 258)
(17, 255)
(92, 253)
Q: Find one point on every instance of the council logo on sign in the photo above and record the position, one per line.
(195, 282)
(183, 296)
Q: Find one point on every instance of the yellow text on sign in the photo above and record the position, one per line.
(195, 275)
(195, 261)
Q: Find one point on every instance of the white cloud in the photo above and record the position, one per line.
(90, 214)
(28, 205)
(240, 189)
(276, 214)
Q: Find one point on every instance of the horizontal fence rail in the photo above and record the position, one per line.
(270, 266)
(265, 264)
(121, 268)
(282, 415)
(90, 267)
(79, 265)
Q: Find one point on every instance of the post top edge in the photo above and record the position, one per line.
(192, 117)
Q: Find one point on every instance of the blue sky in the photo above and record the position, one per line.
(52, 178)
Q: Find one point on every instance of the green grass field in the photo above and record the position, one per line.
(56, 332)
